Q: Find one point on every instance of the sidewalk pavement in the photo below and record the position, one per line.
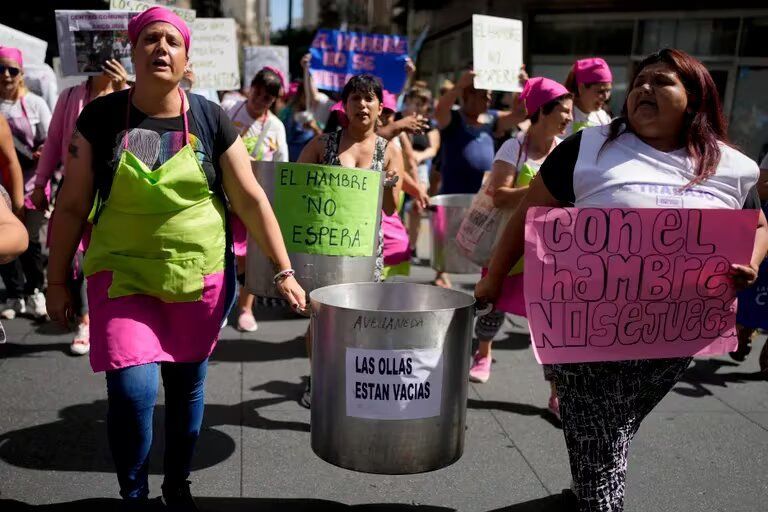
(705, 448)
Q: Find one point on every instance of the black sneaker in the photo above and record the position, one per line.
(306, 397)
(743, 350)
(178, 498)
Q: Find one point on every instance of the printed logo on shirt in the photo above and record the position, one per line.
(669, 201)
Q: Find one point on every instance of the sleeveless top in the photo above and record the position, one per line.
(331, 157)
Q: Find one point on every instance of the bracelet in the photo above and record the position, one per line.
(283, 275)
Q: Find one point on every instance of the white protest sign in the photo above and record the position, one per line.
(213, 55)
(32, 49)
(187, 15)
(87, 39)
(256, 57)
(394, 384)
(497, 52)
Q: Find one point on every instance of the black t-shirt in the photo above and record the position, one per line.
(557, 173)
(153, 140)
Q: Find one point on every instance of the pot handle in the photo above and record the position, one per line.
(483, 308)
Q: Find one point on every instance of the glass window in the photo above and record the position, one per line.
(749, 116)
(754, 37)
(582, 37)
(697, 37)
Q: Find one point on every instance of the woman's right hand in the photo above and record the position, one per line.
(467, 79)
(39, 199)
(58, 302)
(487, 290)
(293, 293)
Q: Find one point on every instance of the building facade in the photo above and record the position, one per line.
(731, 42)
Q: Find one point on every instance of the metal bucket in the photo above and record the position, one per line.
(446, 214)
(312, 270)
(369, 340)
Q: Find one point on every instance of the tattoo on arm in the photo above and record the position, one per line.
(73, 149)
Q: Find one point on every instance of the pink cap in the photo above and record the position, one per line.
(589, 71)
(158, 14)
(389, 101)
(338, 106)
(279, 74)
(8, 52)
(540, 91)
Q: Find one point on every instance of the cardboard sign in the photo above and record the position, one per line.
(394, 384)
(32, 49)
(497, 52)
(256, 57)
(337, 56)
(621, 284)
(87, 39)
(328, 210)
(187, 15)
(213, 54)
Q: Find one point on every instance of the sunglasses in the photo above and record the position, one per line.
(11, 70)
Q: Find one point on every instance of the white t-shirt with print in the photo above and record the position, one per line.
(38, 113)
(629, 173)
(275, 147)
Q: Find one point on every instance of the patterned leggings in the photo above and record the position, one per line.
(602, 405)
(487, 326)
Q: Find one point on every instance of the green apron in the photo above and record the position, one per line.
(578, 126)
(160, 231)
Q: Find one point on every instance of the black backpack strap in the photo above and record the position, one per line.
(201, 113)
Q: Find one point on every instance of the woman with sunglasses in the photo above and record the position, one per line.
(29, 117)
(671, 135)
(156, 167)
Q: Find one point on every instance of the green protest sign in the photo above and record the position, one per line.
(327, 210)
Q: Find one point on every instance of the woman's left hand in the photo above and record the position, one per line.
(293, 293)
(743, 275)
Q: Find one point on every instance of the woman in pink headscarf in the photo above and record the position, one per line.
(155, 167)
(548, 105)
(29, 116)
(590, 81)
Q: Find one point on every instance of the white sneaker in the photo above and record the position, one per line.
(12, 308)
(81, 344)
(36, 302)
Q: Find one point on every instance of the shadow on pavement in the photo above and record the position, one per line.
(77, 441)
(251, 351)
(232, 505)
(554, 503)
(513, 341)
(515, 408)
(703, 373)
(10, 350)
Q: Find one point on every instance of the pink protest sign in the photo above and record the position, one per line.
(619, 284)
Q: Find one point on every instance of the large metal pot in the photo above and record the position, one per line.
(446, 214)
(389, 375)
(312, 270)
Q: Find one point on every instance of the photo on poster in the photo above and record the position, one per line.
(94, 47)
(87, 39)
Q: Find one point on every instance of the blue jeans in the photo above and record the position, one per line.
(132, 393)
